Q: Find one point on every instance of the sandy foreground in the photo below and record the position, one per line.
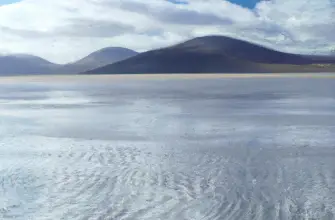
(98, 78)
(147, 148)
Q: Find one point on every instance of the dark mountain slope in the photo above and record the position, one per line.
(207, 55)
(239, 49)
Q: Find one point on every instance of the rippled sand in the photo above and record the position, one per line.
(229, 148)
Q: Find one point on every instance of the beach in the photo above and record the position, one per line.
(209, 146)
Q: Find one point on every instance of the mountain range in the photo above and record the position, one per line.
(21, 64)
(24, 64)
(209, 54)
(218, 54)
(99, 58)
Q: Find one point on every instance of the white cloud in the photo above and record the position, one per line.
(64, 30)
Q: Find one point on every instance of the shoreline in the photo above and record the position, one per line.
(163, 76)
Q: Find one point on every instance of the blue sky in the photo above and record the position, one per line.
(245, 3)
(3, 2)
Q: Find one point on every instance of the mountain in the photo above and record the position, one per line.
(18, 64)
(99, 58)
(24, 64)
(216, 54)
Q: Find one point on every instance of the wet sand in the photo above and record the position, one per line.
(93, 78)
(227, 147)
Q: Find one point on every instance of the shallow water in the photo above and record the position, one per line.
(168, 149)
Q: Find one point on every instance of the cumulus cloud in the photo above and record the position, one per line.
(63, 31)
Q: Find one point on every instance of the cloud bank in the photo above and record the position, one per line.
(63, 31)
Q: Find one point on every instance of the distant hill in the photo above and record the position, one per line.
(24, 64)
(99, 58)
(20, 64)
(216, 54)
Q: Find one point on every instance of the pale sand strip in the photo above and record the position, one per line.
(104, 78)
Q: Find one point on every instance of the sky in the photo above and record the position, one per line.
(63, 31)
(3, 2)
(246, 3)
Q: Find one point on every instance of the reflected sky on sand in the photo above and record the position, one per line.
(228, 148)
